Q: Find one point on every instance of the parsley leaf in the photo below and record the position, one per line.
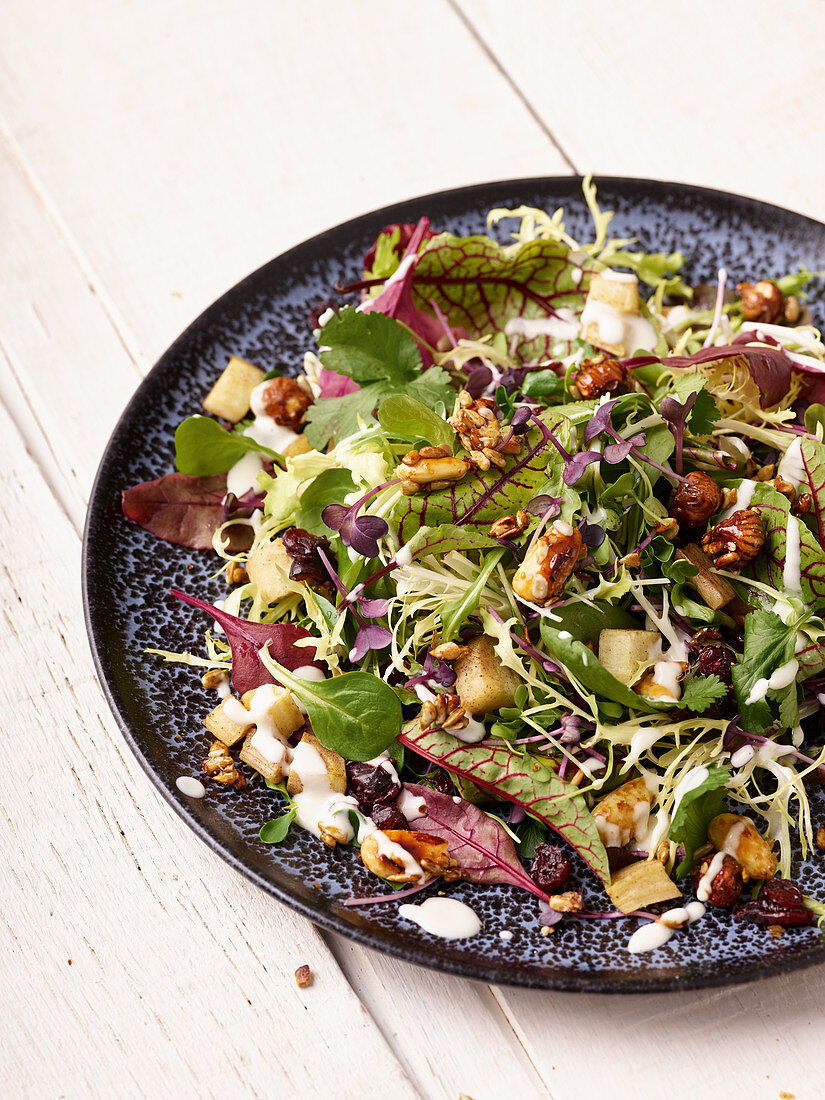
(383, 358)
(689, 826)
(700, 691)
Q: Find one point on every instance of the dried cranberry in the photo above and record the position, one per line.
(550, 867)
(779, 902)
(438, 780)
(620, 857)
(371, 785)
(303, 548)
(387, 816)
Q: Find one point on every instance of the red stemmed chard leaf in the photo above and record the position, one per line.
(476, 841)
(769, 367)
(526, 782)
(246, 640)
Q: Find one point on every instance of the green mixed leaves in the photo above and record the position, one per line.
(357, 714)
(203, 447)
(689, 824)
(524, 780)
(700, 692)
(382, 357)
(769, 644)
(407, 418)
(329, 487)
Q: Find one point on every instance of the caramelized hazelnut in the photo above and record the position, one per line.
(727, 883)
(735, 541)
(600, 376)
(548, 564)
(695, 500)
(283, 399)
(762, 301)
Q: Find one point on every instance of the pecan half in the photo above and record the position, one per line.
(548, 564)
(600, 376)
(735, 541)
(762, 301)
(695, 500)
(220, 766)
(509, 527)
(284, 400)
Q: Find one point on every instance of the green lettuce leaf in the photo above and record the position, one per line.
(329, 487)
(203, 447)
(525, 781)
(689, 826)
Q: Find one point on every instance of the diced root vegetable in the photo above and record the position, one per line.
(224, 728)
(715, 591)
(641, 884)
(334, 764)
(229, 397)
(620, 294)
(273, 773)
(627, 653)
(483, 683)
(282, 710)
(268, 568)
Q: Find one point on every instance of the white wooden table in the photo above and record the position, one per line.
(151, 154)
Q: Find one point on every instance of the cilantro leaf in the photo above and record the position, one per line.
(700, 691)
(383, 358)
(769, 643)
(689, 825)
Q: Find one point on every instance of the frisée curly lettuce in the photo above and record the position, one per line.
(526, 576)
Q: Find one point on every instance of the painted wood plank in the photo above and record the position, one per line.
(188, 143)
(724, 95)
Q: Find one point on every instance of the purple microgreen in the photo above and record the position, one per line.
(372, 609)
(592, 534)
(576, 465)
(600, 421)
(520, 423)
(361, 533)
(675, 414)
(369, 636)
(435, 673)
(616, 452)
(544, 506)
(396, 895)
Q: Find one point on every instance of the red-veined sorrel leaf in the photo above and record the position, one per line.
(813, 461)
(477, 842)
(479, 287)
(182, 510)
(247, 639)
(526, 782)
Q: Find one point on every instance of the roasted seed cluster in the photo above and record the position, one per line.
(476, 423)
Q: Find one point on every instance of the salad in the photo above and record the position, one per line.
(525, 572)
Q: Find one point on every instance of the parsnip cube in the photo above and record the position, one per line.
(640, 885)
(273, 772)
(615, 289)
(482, 682)
(229, 397)
(715, 591)
(299, 446)
(268, 567)
(627, 653)
(278, 704)
(334, 764)
(224, 726)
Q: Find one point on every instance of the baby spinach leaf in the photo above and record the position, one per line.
(585, 667)
(203, 447)
(542, 383)
(586, 621)
(524, 781)
(689, 826)
(273, 832)
(476, 841)
(408, 418)
(357, 715)
(329, 487)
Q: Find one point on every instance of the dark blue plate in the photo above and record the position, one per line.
(127, 575)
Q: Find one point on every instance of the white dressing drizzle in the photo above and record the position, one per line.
(784, 675)
(792, 569)
(191, 787)
(564, 326)
(692, 779)
(317, 804)
(658, 932)
(265, 430)
(791, 466)
(744, 493)
(705, 884)
(269, 741)
(446, 917)
(403, 556)
(410, 805)
(742, 756)
(471, 734)
(307, 672)
(628, 330)
(243, 476)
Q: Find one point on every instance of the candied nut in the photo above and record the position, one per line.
(762, 301)
(803, 506)
(448, 651)
(417, 473)
(820, 838)
(445, 712)
(302, 548)
(631, 560)
(667, 528)
(737, 836)
(283, 399)
(426, 852)
(509, 527)
(303, 976)
(548, 564)
(600, 376)
(791, 309)
(776, 931)
(214, 678)
(763, 474)
(571, 902)
(220, 766)
(735, 541)
(695, 500)
(476, 423)
(726, 885)
(784, 487)
(236, 573)
(663, 853)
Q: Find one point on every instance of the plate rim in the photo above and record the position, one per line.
(574, 981)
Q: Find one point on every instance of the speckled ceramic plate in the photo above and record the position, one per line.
(127, 575)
